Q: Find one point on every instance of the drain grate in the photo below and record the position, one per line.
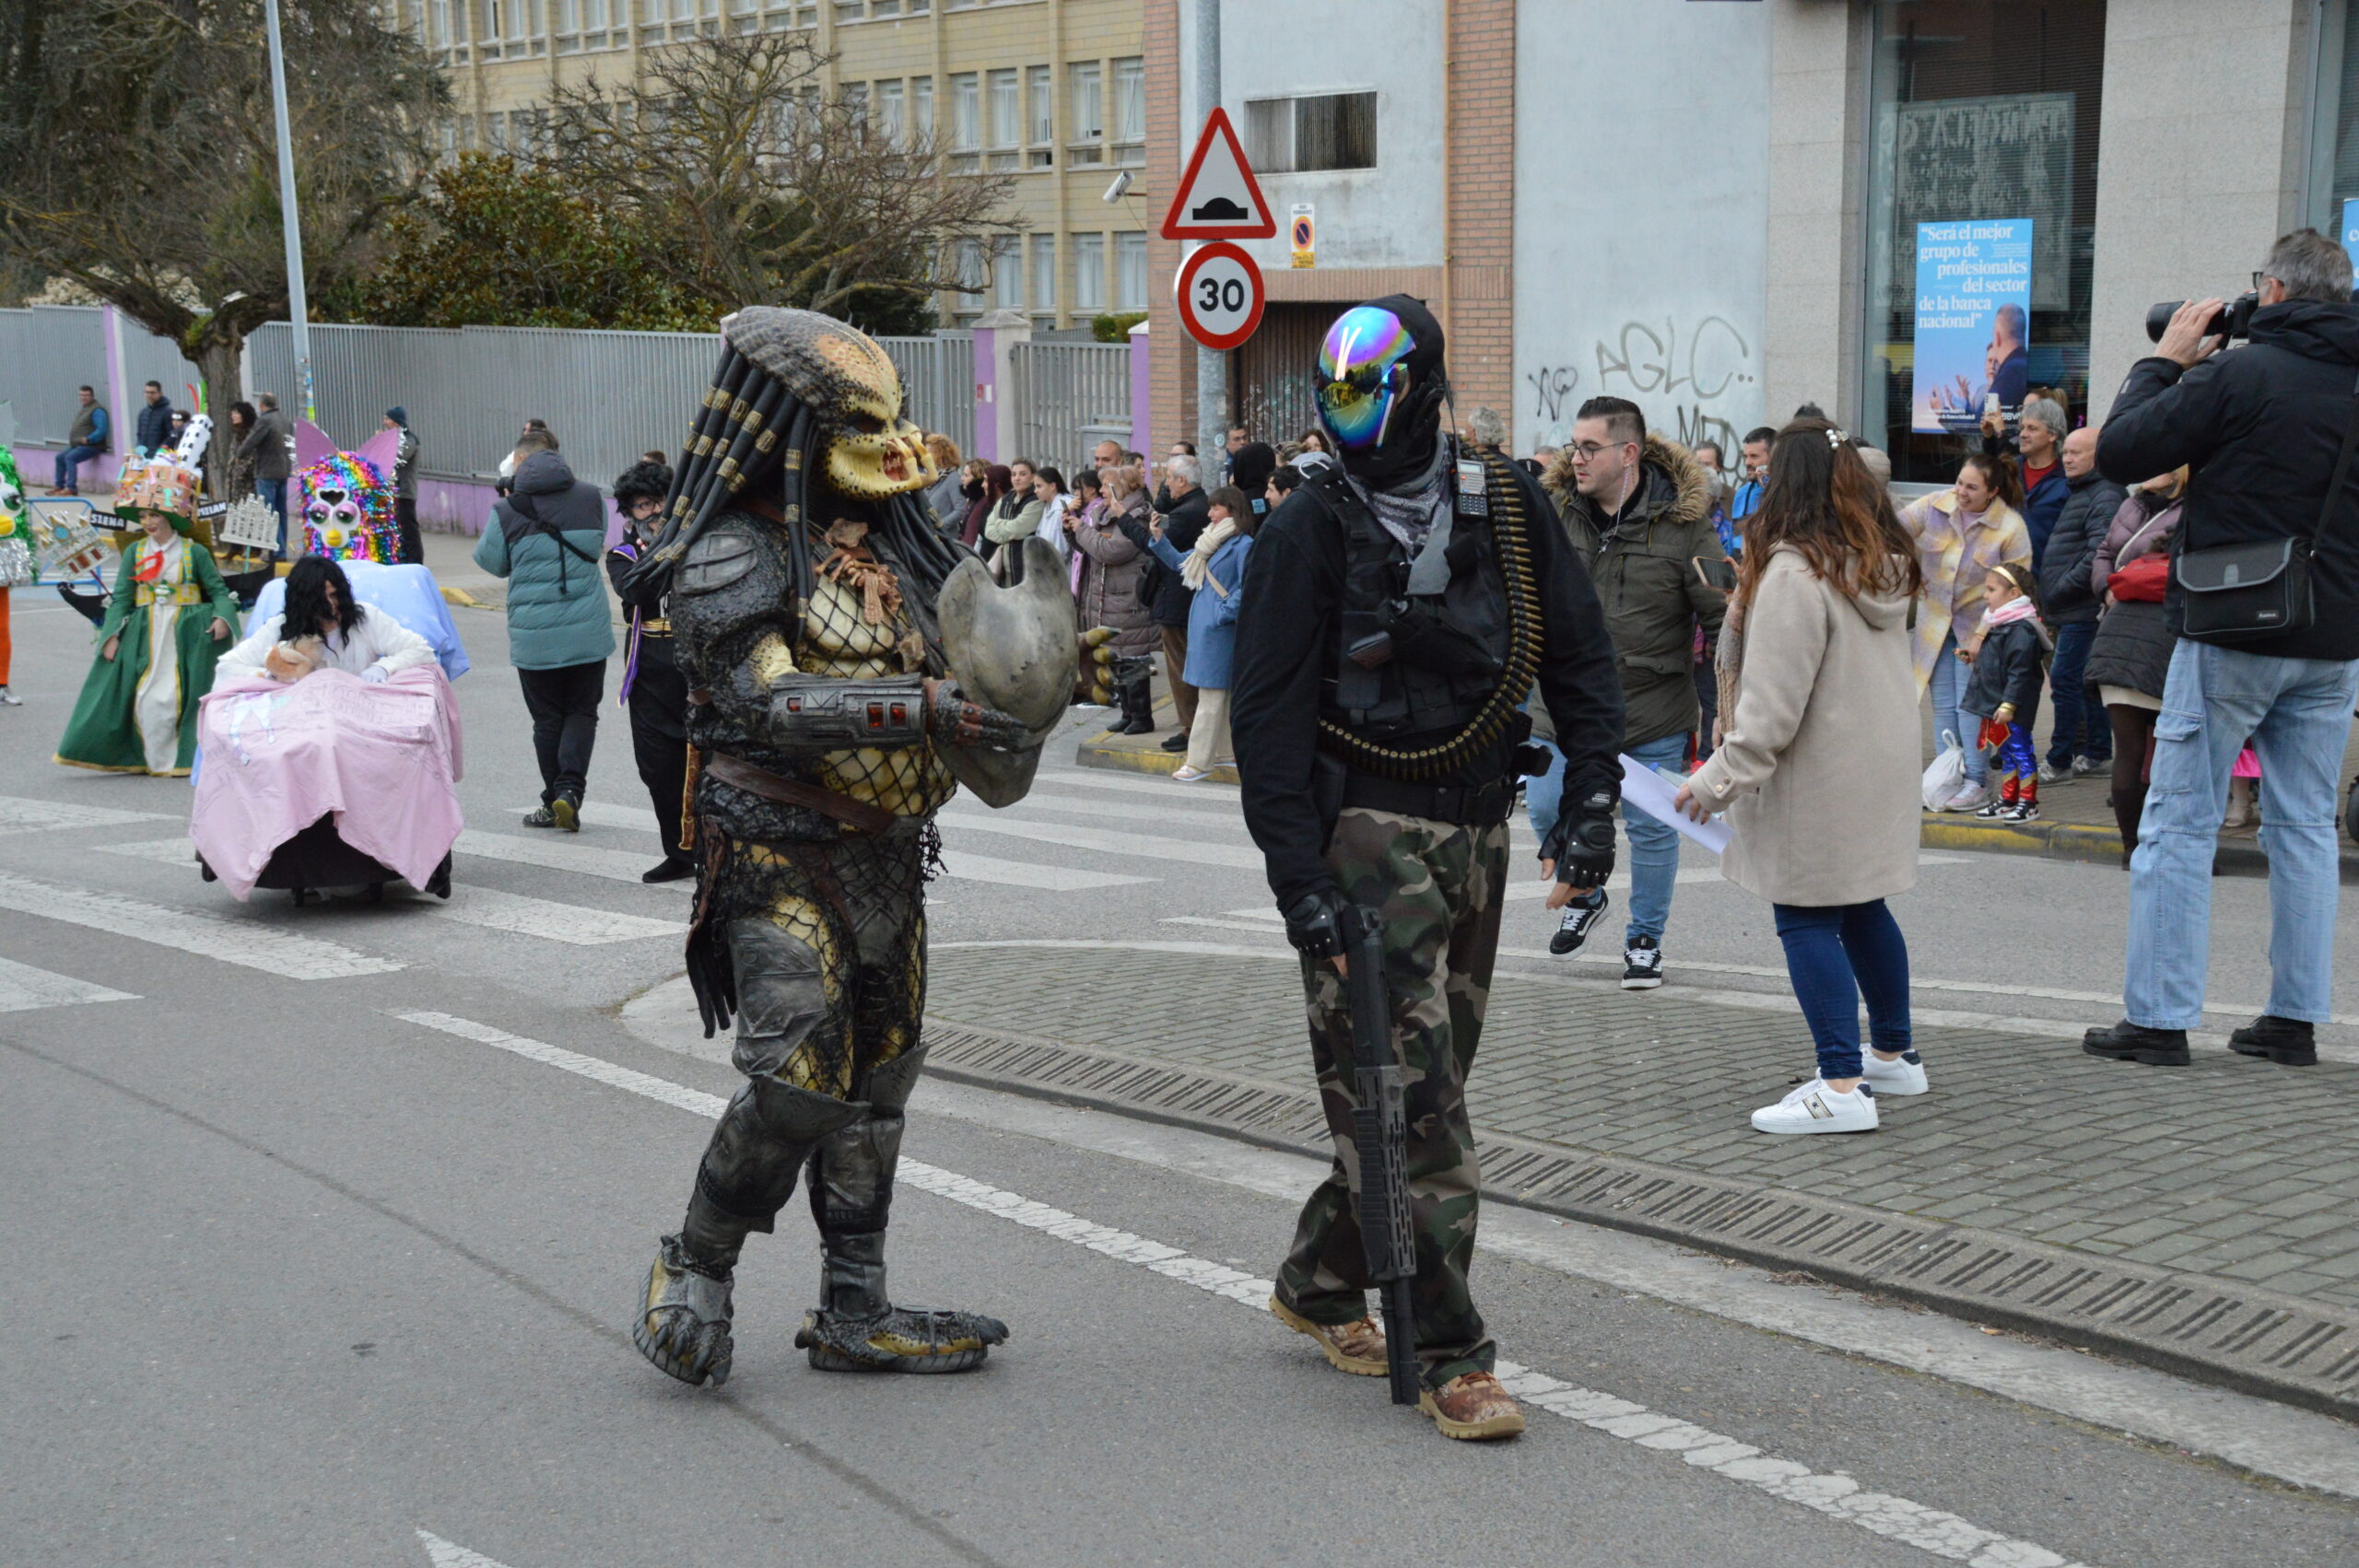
(2194, 1325)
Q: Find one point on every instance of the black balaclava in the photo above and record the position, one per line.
(1408, 450)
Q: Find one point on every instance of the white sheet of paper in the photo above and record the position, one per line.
(1651, 793)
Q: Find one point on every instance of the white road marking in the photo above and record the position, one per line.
(20, 815)
(967, 866)
(270, 949)
(1931, 1530)
(1135, 812)
(442, 1553)
(1111, 842)
(557, 852)
(1133, 783)
(179, 851)
(24, 988)
(2259, 1434)
(576, 925)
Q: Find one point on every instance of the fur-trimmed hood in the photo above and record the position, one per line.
(1671, 483)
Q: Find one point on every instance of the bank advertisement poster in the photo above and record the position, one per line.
(1973, 320)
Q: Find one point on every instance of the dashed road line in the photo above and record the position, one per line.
(1832, 1492)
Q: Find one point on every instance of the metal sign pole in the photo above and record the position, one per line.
(289, 220)
(1211, 364)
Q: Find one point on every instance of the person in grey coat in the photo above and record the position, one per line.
(270, 447)
(412, 548)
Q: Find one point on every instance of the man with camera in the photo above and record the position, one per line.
(2264, 596)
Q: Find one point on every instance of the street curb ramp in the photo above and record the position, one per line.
(2196, 1326)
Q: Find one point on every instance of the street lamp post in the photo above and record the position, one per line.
(289, 220)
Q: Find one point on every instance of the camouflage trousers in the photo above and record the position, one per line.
(1437, 887)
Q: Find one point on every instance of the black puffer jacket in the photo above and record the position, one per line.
(2010, 667)
(2260, 425)
(2134, 641)
(2065, 596)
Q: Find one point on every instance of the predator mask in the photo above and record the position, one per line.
(867, 449)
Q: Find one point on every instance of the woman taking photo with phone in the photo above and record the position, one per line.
(1818, 769)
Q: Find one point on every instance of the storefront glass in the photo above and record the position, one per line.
(1981, 205)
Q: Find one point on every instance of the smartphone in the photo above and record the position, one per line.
(1719, 574)
(1990, 403)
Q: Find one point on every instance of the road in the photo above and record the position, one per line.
(325, 1226)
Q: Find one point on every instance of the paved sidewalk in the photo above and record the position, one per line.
(2152, 1212)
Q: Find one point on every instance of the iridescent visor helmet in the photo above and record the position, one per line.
(1362, 372)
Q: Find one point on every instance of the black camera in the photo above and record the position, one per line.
(2233, 322)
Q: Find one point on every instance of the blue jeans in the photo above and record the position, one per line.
(2298, 713)
(1654, 846)
(1948, 688)
(274, 496)
(62, 473)
(1837, 954)
(2080, 727)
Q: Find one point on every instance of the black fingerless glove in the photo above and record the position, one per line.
(1315, 922)
(1581, 841)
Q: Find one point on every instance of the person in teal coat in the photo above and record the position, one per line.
(547, 539)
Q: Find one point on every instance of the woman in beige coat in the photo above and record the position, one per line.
(1818, 773)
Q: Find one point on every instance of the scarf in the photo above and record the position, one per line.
(1410, 510)
(2006, 614)
(1196, 570)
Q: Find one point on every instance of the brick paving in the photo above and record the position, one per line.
(2229, 1168)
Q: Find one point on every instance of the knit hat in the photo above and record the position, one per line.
(1251, 466)
(399, 415)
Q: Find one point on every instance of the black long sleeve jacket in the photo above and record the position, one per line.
(1286, 642)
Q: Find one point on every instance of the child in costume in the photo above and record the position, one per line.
(2010, 667)
(167, 624)
(15, 559)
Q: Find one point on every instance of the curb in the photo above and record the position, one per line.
(2055, 840)
(460, 596)
(2194, 1326)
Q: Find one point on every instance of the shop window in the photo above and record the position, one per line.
(1981, 209)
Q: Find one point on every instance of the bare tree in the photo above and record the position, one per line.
(137, 156)
(766, 193)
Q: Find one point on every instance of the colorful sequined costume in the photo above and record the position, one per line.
(802, 580)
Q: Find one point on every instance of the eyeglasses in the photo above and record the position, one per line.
(1591, 449)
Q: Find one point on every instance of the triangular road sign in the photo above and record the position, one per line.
(1219, 198)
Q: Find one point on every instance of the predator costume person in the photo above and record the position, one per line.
(1399, 611)
(818, 617)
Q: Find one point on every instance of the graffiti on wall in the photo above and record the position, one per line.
(1693, 380)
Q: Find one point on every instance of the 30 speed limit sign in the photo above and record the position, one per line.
(1220, 295)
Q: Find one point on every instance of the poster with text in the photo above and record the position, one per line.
(1973, 320)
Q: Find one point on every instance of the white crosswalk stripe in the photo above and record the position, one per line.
(22, 815)
(1131, 810)
(603, 814)
(231, 940)
(24, 987)
(560, 853)
(574, 924)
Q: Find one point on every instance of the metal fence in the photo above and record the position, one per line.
(938, 373)
(46, 351)
(1072, 395)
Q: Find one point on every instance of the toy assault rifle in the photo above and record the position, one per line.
(1379, 1134)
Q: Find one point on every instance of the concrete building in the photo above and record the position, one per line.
(1050, 92)
(1716, 209)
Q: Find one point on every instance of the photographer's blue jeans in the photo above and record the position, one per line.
(1836, 954)
(2080, 728)
(2297, 713)
(1948, 688)
(1654, 846)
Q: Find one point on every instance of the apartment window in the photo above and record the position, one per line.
(568, 26)
(1129, 111)
(1044, 274)
(1301, 135)
(965, 122)
(922, 108)
(1040, 94)
(1088, 294)
(438, 14)
(893, 112)
(1007, 273)
(971, 272)
(1008, 120)
(854, 98)
(1130, 272)
(885, 7)
(1086, 124)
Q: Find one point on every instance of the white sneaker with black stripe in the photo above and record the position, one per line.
(1641, 964)
(1814, 1107)
(1903, 1076)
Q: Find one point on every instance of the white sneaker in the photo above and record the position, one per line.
(1965, 800)
(9, 698)
(1814, 1107)
(1906, 1076)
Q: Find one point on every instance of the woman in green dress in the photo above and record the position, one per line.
(169, 620)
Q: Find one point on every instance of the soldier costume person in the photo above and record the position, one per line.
(1398, 611)
(810, 606)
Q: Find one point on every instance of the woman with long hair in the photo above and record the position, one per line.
(236, 469)
(982, 483)
(1112, 565)
(323, 626)
(1960, 534)
(1818, 769)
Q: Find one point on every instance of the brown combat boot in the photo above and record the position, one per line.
(1356, 1348)
(1473, 1408)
